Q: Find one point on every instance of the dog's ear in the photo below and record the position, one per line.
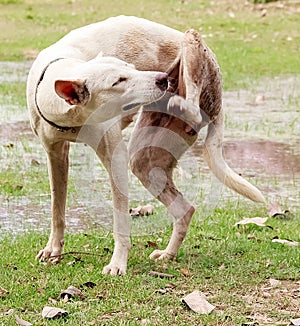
(74, 92)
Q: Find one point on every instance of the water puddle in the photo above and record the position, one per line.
(262, 143)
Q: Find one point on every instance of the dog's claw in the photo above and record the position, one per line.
(161, 255)
(114, 270)
(51, 253)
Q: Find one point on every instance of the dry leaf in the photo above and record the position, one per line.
(142, 210)
(161, 291)
(35, 162)
(53, 312)
(71, 292)
(197, 302)
(89, 284)
(3, 292)
(264, 13)
(259, 221)
(22, 322)
(171, 286)
(185, 272)
(152, 244)
(295, 321)
(161, 275)
(286, 242)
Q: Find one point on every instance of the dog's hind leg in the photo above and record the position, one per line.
(154, 150)
(58, 164)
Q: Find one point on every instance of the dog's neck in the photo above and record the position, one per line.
(51, 123)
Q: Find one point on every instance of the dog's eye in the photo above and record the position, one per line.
(120, 80)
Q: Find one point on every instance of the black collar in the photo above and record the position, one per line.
(51, 123)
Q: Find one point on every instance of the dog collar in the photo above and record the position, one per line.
(51, 123)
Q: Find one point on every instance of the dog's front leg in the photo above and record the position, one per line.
(58, 164)
(112, 151)
(116, 162)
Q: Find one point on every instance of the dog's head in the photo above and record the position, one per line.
(104, 87)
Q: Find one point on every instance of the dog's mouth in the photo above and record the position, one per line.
(130, 106)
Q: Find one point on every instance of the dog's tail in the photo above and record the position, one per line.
(213, 155)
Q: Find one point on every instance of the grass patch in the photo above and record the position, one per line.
(248, 45)
(231, 269)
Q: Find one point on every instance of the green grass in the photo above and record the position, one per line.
(247, 45)
(229, 268)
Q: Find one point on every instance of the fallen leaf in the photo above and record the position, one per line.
(35, 162)
(152, 244)
(264, 13)
(295, 321)
(142, 210)
(161, 275)
(71, 292)
(22, 322)
(185, 272)
(89, 284)
(259, 221)
(10, 145)
(53, 312)
(161, 291)
(286, 242)
(275, 210)
(40, 290)
(171, 286)
(65, 298)
(3, 292)
(197, 302)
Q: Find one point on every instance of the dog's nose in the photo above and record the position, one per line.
(161, 81)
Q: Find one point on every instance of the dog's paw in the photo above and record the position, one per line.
(114, 269)
(185, 110)
(161, 255)
(51, 252)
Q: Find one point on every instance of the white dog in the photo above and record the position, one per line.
(74, 94)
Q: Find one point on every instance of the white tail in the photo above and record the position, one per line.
(213, 155)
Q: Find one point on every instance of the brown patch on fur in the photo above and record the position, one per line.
(167, 53)
(137, 47)
(204, 71)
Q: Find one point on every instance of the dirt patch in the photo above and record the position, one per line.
(266, 302)
(15, 131)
